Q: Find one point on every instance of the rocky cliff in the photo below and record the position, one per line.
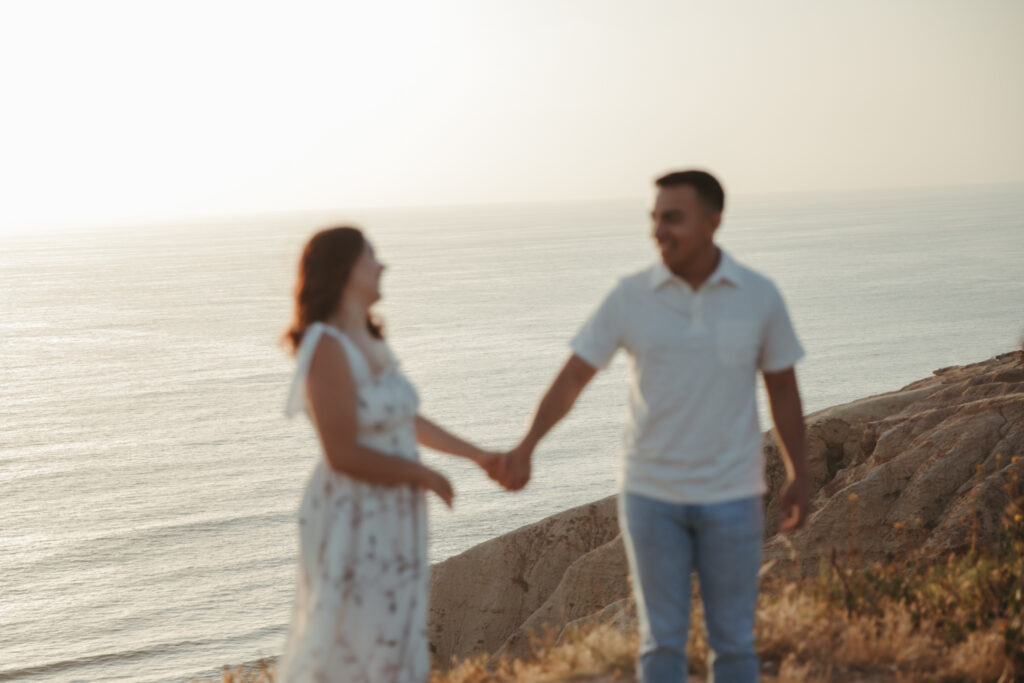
(931, 466)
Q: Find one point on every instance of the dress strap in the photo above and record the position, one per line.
(357, 362)
(296, 402)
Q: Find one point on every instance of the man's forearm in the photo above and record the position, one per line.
(514, 469)
(559, 399)
(787, 414)
(555, 405)
(789, 425)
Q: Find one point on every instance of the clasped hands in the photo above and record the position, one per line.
(510, 469)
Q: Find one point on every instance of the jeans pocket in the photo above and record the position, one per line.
(738, 520)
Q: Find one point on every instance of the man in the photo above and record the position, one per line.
(697, 327)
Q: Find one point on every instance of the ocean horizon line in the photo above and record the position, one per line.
(336, 214)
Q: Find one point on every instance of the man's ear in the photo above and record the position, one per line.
(716, 219)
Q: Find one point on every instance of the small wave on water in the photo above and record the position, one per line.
(121, 657)
(124, 542)
(78, 668)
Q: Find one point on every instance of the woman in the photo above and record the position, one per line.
(360, 611)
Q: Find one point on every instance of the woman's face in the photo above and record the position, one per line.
(364, 281)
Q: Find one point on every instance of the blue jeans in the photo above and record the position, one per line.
(664, 543)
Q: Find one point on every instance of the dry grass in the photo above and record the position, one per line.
(603, 653)
(807, 639)
(262, 671)
(801, 637)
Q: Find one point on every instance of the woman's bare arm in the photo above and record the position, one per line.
(332, 399)
(433, 435)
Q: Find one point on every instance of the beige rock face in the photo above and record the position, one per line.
(480, 597)
(933, 458)
(924, 466)
(594, 581)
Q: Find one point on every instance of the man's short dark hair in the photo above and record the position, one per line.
(708, 188)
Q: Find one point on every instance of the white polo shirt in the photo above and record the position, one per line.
(692, 435)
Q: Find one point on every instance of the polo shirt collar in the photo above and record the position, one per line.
(660, 275)
(727, 271)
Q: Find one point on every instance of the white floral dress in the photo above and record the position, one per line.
(360, 612)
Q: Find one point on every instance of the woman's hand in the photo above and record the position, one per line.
(491, 463)
(439, 484)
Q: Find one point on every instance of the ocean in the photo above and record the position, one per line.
(148, 478)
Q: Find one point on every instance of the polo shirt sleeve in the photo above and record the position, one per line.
(780, 348)
(601, 336)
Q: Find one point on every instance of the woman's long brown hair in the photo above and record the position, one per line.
(324, 270)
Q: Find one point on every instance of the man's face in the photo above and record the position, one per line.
(683, 226)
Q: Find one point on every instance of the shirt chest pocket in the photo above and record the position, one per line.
(738, 342)
(666, 344)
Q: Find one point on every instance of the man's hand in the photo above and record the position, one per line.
(517, 468)
(795, 504)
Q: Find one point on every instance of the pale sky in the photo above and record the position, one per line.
(152, 111)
